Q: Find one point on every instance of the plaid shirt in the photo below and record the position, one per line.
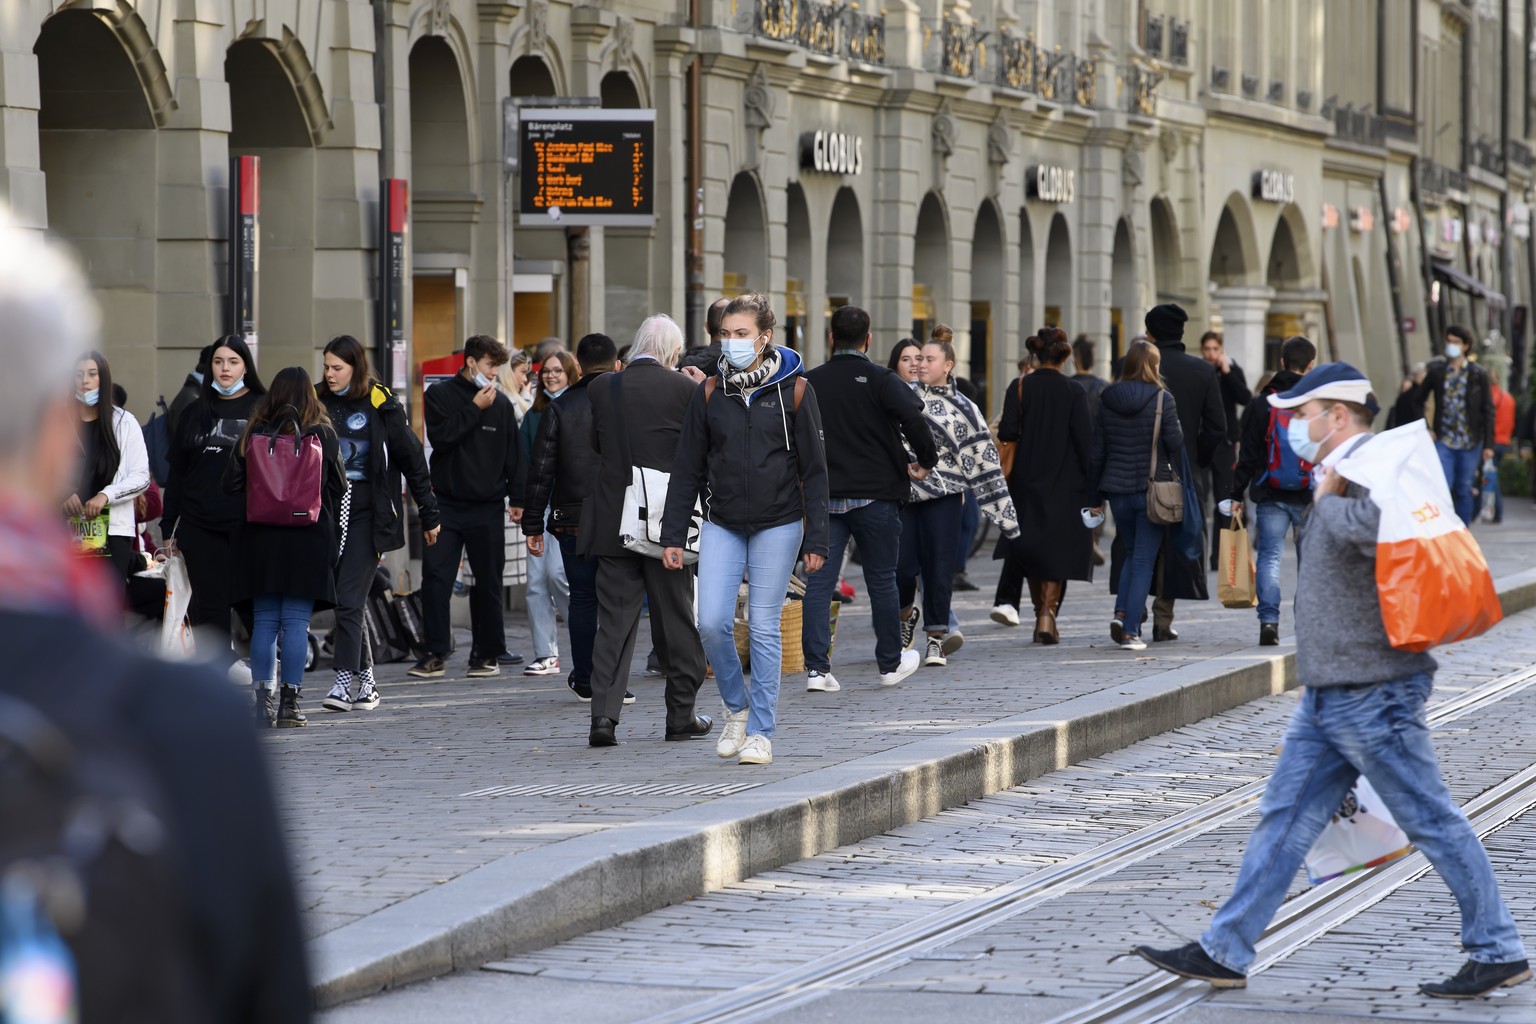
(842, 506)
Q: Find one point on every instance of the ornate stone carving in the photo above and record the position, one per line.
(1168, 143)
(538, 26)
(623, 42)
(999, 141)
(943, 129)
(1134, 169)
(758, 101)
(441, 16)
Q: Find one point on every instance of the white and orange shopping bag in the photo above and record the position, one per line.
(1434, 583)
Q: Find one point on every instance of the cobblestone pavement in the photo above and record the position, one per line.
(1049, 959)
(376, 803)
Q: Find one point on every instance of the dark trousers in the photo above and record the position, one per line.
(970, 524)
(876, 528)
(1010, 581)
(581, 574)
(624, 582)
(354, 581)
(928, 531)
(210, 564)
(1223, 470)
(473, 528)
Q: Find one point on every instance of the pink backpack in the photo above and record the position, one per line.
(284, 475)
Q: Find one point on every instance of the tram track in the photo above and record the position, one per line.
(1155, 998)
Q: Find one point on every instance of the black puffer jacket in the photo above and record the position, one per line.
(562, 464)
(1122, 438)
(394, 453)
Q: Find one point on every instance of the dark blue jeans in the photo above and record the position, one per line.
(1142, 540)
(970, 523)
(877, 529)
(582, 575)
(928, 531)
(1461, 469)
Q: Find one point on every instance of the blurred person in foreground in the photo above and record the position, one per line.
(222, 943)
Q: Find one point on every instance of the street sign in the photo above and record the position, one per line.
(586, 167)
(244, 248)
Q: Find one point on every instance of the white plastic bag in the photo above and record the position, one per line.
(176, 641)
(1361, 835)
(645, 499)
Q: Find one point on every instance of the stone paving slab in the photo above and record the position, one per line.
(405, 875)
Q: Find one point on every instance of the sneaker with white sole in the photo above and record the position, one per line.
(756, 750)
(953, 642)
(549, 666)
(909, 627)
(909, 663)
(339, 699)
(368, 699)
(821, 682)
(1005, 614)
(1131, 642)
(734, 734)
(935, 652)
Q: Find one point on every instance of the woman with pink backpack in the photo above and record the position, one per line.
(288, 465)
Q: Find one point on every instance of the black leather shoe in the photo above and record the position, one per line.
(1192, 961)
(602, 733)
(702, 724)
(1269, 634)
(1161, 635)
(1478, 979)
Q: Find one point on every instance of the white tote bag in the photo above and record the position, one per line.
(1361, 835)
(645, 500)
(176, 643)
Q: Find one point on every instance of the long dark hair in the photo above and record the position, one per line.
(292, 397)
(108, 455)
(350, 351)
(901, 346)
(237, 345)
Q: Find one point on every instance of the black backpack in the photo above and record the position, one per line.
(157, 443)
(86, 845)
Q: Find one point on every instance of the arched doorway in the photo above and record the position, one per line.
(1059, 307)
(797, 271)
(267, 120)
(1241, 302)
(1167, 278)
(618, 90)
(987, 306)
(541, 257)
(1124, 310)
(930, 267)
(1028, 314)
(746, 239)
(1288, 271)
(98, 152)
(530, 76)
(442, 220)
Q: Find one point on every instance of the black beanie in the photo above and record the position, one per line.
(1166, 322)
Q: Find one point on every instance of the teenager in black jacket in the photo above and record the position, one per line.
(378, 448)
(472, 428)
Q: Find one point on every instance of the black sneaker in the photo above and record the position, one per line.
(909, 627)
(1162, 636)
(1478, 979)
(1269, 634)
(1192, 961)
(962, 582)
(1117, 630)
(288, 714)
(429, 667)
(479, 668)
(266, 709)
(583, 691)
(507, 657)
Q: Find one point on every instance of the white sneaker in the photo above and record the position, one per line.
(1005, 614)
(547, 666)
(734, 734)
(367, 700)
(1133, 643)
(935, 652)
(953, 642)
(339, 699)
(821, 682)
(756, 750)
(909, 662)
(240, 672)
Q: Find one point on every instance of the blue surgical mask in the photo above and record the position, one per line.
(1300, 439)
(228, 392)
(739, 352)
(88, 397)
(481, 380)
(1453, 350)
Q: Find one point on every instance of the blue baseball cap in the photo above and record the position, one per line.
(1338, 381)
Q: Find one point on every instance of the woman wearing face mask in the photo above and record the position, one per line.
(907, 362)
(378, 448)
(751, 446)
(201, 519)
(931, 521)
(514, 382)
(114, 465)
(548, 588)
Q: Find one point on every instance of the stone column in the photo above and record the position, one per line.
(674, 207)
(21, 173)
(1243, 309)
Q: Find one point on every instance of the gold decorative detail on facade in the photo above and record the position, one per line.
(836, 30)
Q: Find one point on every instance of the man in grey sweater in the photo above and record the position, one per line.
(1362, 714)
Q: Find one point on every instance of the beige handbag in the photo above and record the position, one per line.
(1165, 498)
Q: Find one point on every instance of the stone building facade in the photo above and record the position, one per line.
(1354, 169)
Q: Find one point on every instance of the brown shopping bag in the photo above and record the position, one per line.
(1236, 587)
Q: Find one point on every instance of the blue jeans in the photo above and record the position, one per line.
(1499, 451)
(1142, 540)
(273, 615)
(581, 617)
(1272, 520)
(877, 529)
(1461, 469)
(1336, 735)
(547, 590)
(767, 557)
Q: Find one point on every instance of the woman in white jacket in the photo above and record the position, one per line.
(114, 468)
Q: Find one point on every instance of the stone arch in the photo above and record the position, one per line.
(1027, 285)
(618, 89)
(1167, 257)
(745, 252)
(931, 270)
(988, 304)
(1125, 318)
(532, 75)
(798, 270)
(1059, 280)
(1290, 264)
(845, 249)
(442, 175)
(272, 81)
(1235, 249)
(123, 34)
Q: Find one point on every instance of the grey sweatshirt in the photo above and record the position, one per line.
(1340, 638)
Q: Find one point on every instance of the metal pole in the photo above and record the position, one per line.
(693, 320)
(1394, 276)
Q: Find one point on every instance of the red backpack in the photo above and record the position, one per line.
(284, 475)
(1286, 470)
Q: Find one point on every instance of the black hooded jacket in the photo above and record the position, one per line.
(1122, 438)
(1198, 395)
(394, 453)
(1253, 453)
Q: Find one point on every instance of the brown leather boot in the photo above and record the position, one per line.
(1038, 601)
(1045, 623)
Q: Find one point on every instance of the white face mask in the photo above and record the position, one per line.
(1298, 434)
(739, 352)
(1453, 350)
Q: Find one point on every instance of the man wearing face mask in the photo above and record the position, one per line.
(1463, 425)
(1362, 713)
(472, 428)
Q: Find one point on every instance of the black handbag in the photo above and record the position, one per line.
(383, 637)
(406, 610)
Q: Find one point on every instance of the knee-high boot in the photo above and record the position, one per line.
(1045, 621)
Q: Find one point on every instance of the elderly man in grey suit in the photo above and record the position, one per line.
(636, 418)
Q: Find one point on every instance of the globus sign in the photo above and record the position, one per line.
(831, 153)
(1050, 184)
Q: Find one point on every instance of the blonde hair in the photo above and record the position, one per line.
(1143, 362)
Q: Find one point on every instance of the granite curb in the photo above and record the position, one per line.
(541, 896)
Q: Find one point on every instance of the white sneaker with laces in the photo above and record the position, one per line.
(1133, 643)
(1005, 614)
(547, 666)
(821, 682)
(339, 699)
(734, 734)
(909, 662)
(756, 750)
(935, 653)
(953, 642)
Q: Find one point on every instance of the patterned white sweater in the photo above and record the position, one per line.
(967, 457)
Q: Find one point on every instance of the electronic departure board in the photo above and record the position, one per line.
(586, 166)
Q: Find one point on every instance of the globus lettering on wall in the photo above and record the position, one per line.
(1051, 184)
(1274, 186)
(831, 153)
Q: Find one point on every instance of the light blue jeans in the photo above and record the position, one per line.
(767, 557)
(547, 590)
(1272, 520)
(273, 616)
(1336, 735)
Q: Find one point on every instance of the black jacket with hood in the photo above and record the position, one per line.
(865, 411)
(562, 464)
(1122, 438)
(1253, 451)
(475, 452)
(756, 460)
(394, 453)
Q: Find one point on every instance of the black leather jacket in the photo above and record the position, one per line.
(563, 464)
